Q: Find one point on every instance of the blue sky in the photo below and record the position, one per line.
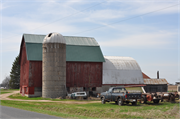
(120, 27)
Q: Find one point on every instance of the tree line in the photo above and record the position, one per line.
(13, 81)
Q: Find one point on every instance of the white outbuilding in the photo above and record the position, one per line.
(121, 71)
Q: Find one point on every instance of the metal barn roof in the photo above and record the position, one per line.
(155, 81)
(121, 70)
(85, 41)
(70, 40)
(84, 49)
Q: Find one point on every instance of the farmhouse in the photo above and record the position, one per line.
(86, 67)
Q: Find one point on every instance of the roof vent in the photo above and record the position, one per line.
(50, 35)
(54, 38)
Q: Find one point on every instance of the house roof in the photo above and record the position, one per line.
(121, 70)
(155, 81)
(84, 49)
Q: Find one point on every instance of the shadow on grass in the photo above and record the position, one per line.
(154, 103)
(126, 104)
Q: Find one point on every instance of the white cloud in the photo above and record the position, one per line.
(3, 6)
(105, 14)
(144, 40)
(162, 8)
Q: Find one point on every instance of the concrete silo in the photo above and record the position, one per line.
(54, 66)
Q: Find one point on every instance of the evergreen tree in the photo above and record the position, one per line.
(14, 83)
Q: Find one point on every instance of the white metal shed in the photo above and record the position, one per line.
(121, 70)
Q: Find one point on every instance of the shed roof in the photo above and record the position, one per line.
(84, 49)
(155, 81)
(121, 70)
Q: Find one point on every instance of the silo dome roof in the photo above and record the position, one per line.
(54, 38)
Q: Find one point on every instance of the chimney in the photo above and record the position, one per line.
(157, 74)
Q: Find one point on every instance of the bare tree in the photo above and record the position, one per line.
(5, 82)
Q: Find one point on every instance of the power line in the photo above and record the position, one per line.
(64, 17)
(127, 19)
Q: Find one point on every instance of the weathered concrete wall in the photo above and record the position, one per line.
(54, 70)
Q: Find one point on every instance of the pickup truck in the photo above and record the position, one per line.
(120, 95)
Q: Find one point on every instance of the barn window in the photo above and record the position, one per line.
(68, 89)
(84, 88)
(93, 88)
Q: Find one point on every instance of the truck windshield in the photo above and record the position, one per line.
(118, 90)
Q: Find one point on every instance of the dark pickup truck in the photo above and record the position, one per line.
(120, 96)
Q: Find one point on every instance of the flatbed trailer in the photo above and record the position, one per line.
(151, 97)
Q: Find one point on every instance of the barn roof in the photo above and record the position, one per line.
(77, 48)
(70, 40)
(121, 70)
(155, 81)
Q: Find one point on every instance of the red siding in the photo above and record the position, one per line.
(35, 74)
(145, 76)
(30, 72)
(24, 67)
(83, 74)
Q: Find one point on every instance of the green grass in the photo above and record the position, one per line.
(9, 90)
(3, 91)
(98, 110)
(19, 96)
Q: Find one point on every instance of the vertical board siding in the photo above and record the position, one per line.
(24, 67)
(83, 74)
(156, 88)
(35, 74)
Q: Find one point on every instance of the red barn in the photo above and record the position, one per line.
(84, 61)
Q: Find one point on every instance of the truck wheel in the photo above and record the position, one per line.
(103, 101)
(172, 99)
(142, 100)
(120, 101)
(161, 99)
(134, 103)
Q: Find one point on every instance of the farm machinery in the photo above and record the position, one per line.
(159, 96)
